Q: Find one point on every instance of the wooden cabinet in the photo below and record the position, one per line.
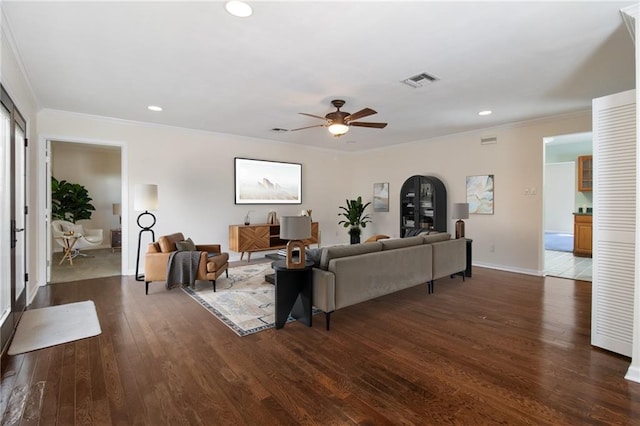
(585, 173)
(116, 239)
(582, 234)
(423, 204)
(262, 237)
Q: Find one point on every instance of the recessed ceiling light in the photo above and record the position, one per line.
(154, 108)
(485, 112)
(238, 8)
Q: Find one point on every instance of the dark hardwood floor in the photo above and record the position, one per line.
(500, 348)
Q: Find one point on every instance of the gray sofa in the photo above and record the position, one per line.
(346, 275)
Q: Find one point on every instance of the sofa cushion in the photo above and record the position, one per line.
(335, 252)
(397, 243)
(434, 238)
(186, 245)
(168, 242)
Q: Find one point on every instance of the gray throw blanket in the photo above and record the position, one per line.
(182, 268)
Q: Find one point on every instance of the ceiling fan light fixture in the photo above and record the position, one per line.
(238, 8)
(338, 129)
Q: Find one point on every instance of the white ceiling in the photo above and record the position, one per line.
(244, 76)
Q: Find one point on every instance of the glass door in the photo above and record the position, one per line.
(13, 211)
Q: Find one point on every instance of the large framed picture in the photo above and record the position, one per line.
(267, 182)
(381, 197)
(480, 194)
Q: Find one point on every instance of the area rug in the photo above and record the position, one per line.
(244, 302)
(55, 325)
(558, 242)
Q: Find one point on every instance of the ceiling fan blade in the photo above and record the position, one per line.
(360, 114)
(308, 127)
(365, 124)
(311, 115)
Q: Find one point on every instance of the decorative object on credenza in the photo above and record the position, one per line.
(355, 218)
(381, 197)
(295, 229)
(247, 218)
(267, 182)
(272, 218)
(145, 198)
(306, 212)
(460, 211)
(480, 194)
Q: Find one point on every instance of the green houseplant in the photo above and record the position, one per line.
(70, 201)
(355, 219)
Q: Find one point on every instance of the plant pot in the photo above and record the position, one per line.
(354, 233)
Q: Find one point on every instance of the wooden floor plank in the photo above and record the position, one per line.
(499, 348)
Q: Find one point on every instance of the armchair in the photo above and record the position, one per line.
(86, 237)
(158, 253)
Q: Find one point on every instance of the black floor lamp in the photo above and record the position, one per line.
(145, 198)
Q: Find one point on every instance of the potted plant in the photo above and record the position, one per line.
(70, 201)
(355, 219)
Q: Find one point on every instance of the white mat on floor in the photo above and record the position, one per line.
(44, 327)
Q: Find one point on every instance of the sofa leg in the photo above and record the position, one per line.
(227, 272)
(214, 285)
(430, 286)
(146, 287)
(327, 316)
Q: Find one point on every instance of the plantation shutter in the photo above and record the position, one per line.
(614, 221)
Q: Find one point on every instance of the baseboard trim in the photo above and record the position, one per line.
(509, 269)
(633, 374)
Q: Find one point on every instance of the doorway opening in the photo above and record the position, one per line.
(89, 244)
(563, 201)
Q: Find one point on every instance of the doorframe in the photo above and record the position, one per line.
(43, 194)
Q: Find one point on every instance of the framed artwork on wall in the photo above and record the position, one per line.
(267, 182)
(480, 194)
(381, 197)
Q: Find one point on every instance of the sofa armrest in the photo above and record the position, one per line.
(449, 257)
(324, 290)
(155, 266)
(209, 248)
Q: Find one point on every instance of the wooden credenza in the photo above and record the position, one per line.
(582, 235)
(262, 237)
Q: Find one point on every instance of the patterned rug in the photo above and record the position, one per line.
(245, 302)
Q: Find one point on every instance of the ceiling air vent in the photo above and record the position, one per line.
(488, 140)
(420, 80)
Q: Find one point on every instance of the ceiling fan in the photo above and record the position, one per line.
(338, 122)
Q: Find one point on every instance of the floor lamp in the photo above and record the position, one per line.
(145, 198)
(460, 211)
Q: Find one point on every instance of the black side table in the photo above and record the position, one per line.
(467, 272)
(293, 293)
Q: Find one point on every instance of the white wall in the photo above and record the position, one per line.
(515, 230)
(17, 86)
(559, 185)
(97, 168)
(194, 174)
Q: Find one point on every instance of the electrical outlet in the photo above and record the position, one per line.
(533, 191)
(527, 191)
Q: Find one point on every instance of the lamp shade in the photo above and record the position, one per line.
(117, 209)
(295, 227)
(460, 211)
(145, 197)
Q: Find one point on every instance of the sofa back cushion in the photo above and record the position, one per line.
(434, 238)
(397, 243)
(335, 252)
(167, 243)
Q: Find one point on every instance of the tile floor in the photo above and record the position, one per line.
(566, 265)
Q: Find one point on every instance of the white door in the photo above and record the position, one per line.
(614, 221)
(559, 190)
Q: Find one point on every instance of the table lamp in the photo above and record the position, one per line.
(117, 211)
(460, 211)
(145, 198)
(295, 229)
